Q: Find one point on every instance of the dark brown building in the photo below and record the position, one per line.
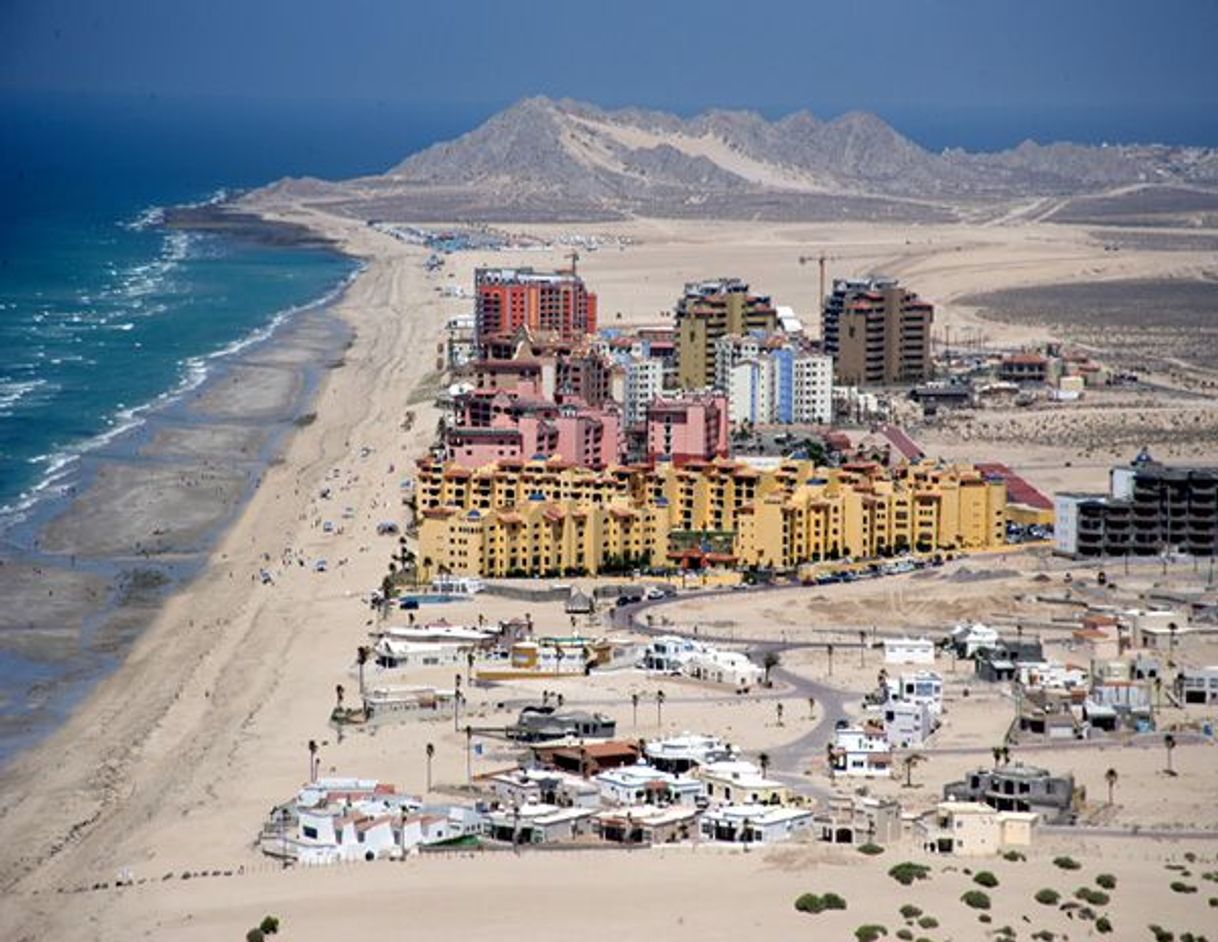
(877, 332)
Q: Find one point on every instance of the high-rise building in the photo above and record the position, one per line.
(709, 310)
(644, 383)
(771, 381)
(877, 332)
(549, 304)
(1151, 508)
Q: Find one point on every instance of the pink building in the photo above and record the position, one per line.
(587, 438)
(692, 427)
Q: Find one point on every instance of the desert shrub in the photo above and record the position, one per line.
(1190, 937)
(1013, 856)
(1161, 934)
(906, 873)
(1043, 935)
(811, 903)
(986, 918)
(928, 922)
(1211, 875)
(1106, 880)
(1066, 863)
(1214, 901)
(269, 925)
(975, 899)
(1086, 913)
(1094, 897)
(255, 935)
(870, 849)
(1190, 856)
(1047, 897)
(869, 932)
(905, 934)
(910, 911)
(986, 879)
(1103, 925)
(1179, 887)
(1005, 932)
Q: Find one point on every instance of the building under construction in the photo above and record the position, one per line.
(1151, 508)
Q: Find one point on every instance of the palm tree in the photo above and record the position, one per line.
(312, 760)
(862, 648)
(908, 763)
(469, 666)
(811, 708)
(430, 752)
(996, 752)
(1169, 743)
(763, 760)
(458, 698)
(1111, 777)
(829, 651)
(778, 712)
(769, 662)
(634, 706)
(339, 691)
(660, 708)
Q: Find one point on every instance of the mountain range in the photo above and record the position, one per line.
(544, 160)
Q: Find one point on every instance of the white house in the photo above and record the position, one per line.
(643, 785)
(741, 782)
(969, 639)
(750, 823)
(909, 651)
(862, 752)
(667, 654)
(545, 786)
(394, 654)
(724, 667)
(685, 752)
(1197, 685)
(337, 819)
(537, 823)
(925, 687)
(907, 724)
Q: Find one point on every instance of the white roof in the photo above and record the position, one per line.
(760, 814)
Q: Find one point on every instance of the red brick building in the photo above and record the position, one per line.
(549, 304)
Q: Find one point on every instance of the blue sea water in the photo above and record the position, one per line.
(102, 311)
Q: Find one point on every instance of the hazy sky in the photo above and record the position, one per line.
(890, 56)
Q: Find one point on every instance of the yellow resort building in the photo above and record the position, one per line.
(548, 518)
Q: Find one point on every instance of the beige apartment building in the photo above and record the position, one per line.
(709, 310)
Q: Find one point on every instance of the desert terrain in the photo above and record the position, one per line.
(170, 767)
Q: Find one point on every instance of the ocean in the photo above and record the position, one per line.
(110, 321)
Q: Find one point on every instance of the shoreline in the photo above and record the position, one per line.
(155, 710)
(82, 580)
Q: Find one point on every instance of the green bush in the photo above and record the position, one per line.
(1214, 901)
(906, 873)
(910, 911)
(269, 925)
(1103, 925)
(254, 935)
(928, 922)
(1179, 887)
(1094, 897)
(1107, 881)
(1161, 934)
(1014, 856)
(1211, 875)
(1047, 897)
(869, 932)
(905, 934)
(986, 879)
(976, 899)
(986, 918)
(1044, 935)
(1066, 863)
(811, 903)
(870, 849)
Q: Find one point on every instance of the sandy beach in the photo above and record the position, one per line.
(172, 763)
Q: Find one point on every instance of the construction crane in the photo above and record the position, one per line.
(820, 261)
(574, 257)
